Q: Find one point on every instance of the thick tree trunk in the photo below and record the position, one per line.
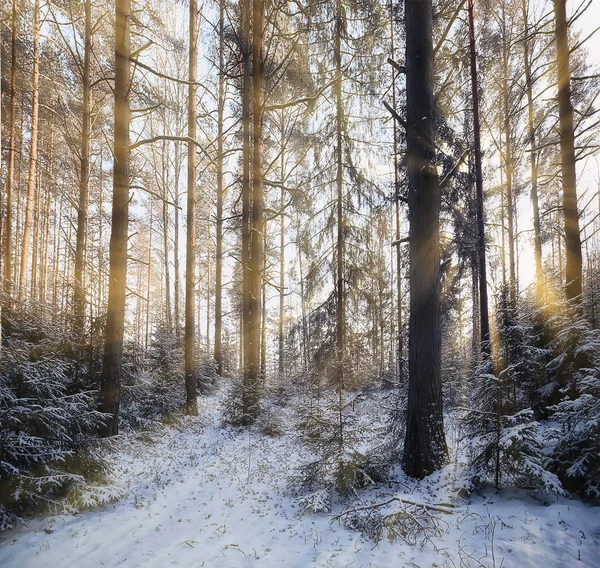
(189, 342)
(218, 353)
(425, 444)
(29, 207)
(484, 321)
(248, 391)
(82, 209)
(113, 348)
(573, 269)
(252, 371)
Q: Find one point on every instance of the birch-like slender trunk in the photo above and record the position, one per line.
(218, 353)
(84, 181)
(30, 204)
(189, 339)
(7, 225)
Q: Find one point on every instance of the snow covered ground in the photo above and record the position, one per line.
(202, 495)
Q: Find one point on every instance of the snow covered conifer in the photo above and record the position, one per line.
(48, 427)
(332, 431)
(576, 456)
(152, 386)
(505, 443)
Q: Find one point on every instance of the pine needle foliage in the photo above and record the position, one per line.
(48, 425)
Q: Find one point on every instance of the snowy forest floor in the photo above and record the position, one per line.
(199, 494)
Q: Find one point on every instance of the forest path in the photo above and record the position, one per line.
(196, 495)
(202, 495)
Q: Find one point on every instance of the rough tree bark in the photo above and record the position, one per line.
(573, 268)
(246, 95)
(425, 443)
(252, 366)
(484, 321)
(113, 348)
